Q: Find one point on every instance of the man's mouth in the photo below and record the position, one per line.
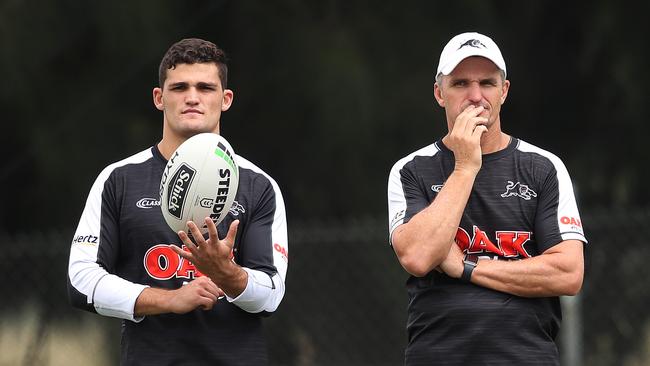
(188, 111)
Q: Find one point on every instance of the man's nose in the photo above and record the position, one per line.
(192, 96)
(474, 92)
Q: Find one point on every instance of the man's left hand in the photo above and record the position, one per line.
(213, 257)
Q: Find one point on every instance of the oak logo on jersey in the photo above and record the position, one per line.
(573, 221)
(147, 203)
(177, 189)
(161, 263)
(519, 190)
(282, 250)
(509, 244)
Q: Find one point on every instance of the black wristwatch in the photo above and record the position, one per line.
(469, 262)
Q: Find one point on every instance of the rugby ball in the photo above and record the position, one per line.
(200, 180)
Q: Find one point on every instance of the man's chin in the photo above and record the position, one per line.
(190, 131)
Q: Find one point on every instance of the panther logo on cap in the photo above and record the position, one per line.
(472, 43)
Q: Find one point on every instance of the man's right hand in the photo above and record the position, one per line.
(465, 139)
(199, 293)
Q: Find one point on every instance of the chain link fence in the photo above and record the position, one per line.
(345, 302)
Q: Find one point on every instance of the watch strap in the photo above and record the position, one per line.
(469, 263)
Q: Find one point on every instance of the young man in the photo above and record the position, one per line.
(196, 306)
(486, 224)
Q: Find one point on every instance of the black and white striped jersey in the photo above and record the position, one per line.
(121, 246)
(522, 203)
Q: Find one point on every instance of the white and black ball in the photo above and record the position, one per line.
(200, 180)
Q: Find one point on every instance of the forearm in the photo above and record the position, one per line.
(423, 242)
(553, 274)
(152, 301)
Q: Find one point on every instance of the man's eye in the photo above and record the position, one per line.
(459, 83)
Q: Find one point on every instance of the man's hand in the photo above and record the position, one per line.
(465, 138)
(213, 257)
(201, 292)
(453, 264)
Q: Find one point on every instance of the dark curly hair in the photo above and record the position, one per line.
(191, 51)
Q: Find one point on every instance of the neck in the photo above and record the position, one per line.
(494, 141)
(167, 146)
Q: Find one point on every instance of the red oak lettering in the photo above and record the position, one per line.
(462, 239)
(512, 243)
(187, 269)
(162, 263)
(481, 243)
(282, 250)
(571, 221)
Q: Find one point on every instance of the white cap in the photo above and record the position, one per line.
(466, 45)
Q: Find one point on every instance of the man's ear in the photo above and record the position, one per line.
(228, 97)
(158, 99)
(437, 93)
(504, 91)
